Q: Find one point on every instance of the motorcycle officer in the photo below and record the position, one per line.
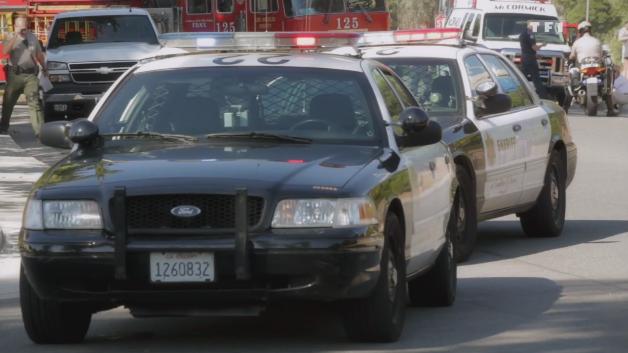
(587, 46)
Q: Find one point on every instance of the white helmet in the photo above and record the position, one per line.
(584, 24)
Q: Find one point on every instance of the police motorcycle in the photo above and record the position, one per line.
(592, 82)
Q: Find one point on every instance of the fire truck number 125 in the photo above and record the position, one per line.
(225, 26)
(348, 23)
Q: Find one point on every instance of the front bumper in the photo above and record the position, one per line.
(70, 101)
(315, 264)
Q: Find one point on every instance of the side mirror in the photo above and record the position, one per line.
(468, 35)
(418, 129)
(82, 131)
(497, 104)
(54, 134)
(486, 89)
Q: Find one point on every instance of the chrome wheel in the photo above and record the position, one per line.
(393, 277)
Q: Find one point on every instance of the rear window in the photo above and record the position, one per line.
(320, 104)
(102, 29)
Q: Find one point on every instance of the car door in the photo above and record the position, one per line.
(505, 167)
(430, 178)
(535, 131)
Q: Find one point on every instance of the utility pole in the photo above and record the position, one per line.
(587, 15)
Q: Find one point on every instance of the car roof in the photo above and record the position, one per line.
(309, 60)
(421, 51)
(103, 12)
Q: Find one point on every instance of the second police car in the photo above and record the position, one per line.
(514, 153)
(213, 183)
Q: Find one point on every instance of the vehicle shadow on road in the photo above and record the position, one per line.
(505, 238)
(317, 327)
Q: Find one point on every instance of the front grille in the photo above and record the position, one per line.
(100, 72)
(95, 77)
(117, 64)
(217, 212)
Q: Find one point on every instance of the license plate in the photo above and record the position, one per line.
(181, 267)
(60, 107)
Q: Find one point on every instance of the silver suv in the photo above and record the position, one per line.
(88, 50)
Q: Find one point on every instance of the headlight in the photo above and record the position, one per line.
(59, 78)
(55, 65)
(324, 213)
(62, 215)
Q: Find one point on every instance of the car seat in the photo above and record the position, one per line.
(73, 37)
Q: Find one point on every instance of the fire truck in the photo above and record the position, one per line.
(277, 15)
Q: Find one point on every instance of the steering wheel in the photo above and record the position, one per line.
(328, 126)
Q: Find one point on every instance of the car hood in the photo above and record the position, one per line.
(150, 168)
(101, 52)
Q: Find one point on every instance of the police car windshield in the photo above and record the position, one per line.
(101, 29)
(313, 7)
(434, 83)
(321, 105)
(509, 26)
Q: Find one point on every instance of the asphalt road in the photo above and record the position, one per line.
(568, 294)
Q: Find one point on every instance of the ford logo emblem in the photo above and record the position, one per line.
(185, 211)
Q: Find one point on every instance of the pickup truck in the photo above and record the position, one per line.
(88, 50)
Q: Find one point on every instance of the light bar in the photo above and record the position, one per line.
(258, 41)
(415, 36)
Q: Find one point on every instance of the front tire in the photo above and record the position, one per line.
(547, 217)
(380, 316)
(48, 321)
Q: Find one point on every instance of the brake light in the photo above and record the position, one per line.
(592, 71)
(416, 36)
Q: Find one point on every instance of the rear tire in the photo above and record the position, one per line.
(438, 286)
(591, 106)
(380, 316)
(465, 237)
(547, 217)
(48, 321)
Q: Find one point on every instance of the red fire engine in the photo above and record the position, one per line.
(277, 15)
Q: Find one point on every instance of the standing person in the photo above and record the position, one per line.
(25, 57)
(623, 37)
(530, 65)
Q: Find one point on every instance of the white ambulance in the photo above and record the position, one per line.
(497, 24)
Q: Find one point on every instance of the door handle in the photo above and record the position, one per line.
(516, 128)
(432, 165)
(544, 122)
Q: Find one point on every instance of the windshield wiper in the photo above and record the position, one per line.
(261, 136)
(153, 135)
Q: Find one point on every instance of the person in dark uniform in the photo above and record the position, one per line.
(530, 66)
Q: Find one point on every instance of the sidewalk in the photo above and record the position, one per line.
(18, 171)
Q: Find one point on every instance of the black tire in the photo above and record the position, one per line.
(48, 321)
(380, 316)
(547, 217)
(591, 106)
(465, 237)
(437, 287)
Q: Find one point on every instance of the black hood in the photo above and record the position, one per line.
(198, 168)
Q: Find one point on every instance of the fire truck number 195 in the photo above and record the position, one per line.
(225, 26)
(348, 23)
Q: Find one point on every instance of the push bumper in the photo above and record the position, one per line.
(316, 264)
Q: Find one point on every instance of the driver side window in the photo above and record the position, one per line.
(393, 104)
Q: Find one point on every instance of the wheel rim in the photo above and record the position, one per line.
(461, 223)
(393, 279)
(555, 194)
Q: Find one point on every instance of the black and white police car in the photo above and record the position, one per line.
(513, 152)
(218, 180)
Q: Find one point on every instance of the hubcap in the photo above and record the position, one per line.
(554, 192)
(392, 277)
